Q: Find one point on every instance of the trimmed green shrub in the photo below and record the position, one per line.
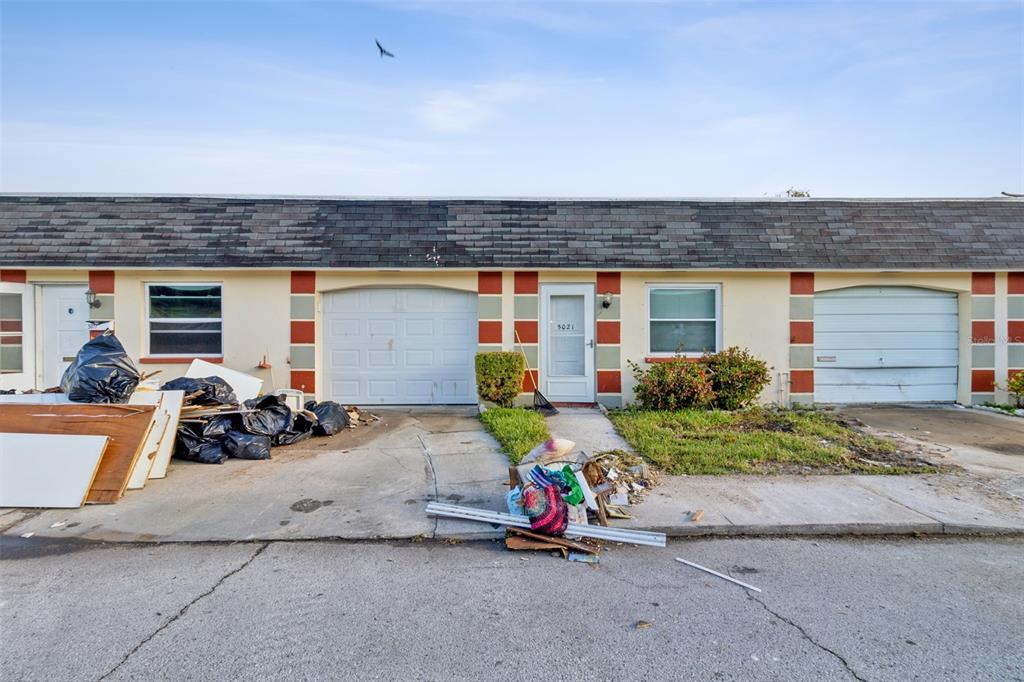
(673, 385)
(737, 377)
(499, 376)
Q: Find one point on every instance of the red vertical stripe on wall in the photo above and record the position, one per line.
(303, 282)
(609, 283)
(489, 331)
(609, 331)
(488, 282)
(1015, 330)
(983, 283)
(609, 381)
(530, 380)
(304, 380)
(101, 281)
(1015, 282)
(801, 283)
(801, 381)
(801, 332)
(983, 331)
(527, 331)
(303, 331)
(527, 283)
(13, 276)
(983, 380)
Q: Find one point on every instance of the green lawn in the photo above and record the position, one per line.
(518, 429)
(758, 441)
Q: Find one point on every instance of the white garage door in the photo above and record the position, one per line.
(400, 346)
(885, 345)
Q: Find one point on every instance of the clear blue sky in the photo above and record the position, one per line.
(487, 98)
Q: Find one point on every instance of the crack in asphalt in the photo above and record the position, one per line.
(803, 633)
(433, 475)
(181, 612)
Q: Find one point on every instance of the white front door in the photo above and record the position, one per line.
(567, 342)
(64, 330)
(17, 344)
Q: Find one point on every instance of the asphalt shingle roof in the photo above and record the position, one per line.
(232, 232)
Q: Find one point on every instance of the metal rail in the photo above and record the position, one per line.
(633, 537)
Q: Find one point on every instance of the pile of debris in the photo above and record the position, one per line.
(557, 501)
(109, 429)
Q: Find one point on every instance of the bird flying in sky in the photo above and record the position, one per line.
(383, 52)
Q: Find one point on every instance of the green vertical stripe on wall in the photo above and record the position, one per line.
(489, 307)
(526, 307)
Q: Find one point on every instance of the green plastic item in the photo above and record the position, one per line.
(576, 492)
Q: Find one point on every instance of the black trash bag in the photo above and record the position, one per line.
(246, 445)
(301, 428)
(211, 390)
(193, 447)
(330, 417)
(271, 417)
(102, 372)
(217, 426)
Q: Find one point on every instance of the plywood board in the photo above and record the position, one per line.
(244, 385)
(171, 404)
(156, 431)
(125, 425)
(45, 470)
(35, 399)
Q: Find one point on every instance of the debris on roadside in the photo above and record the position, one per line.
(560, 500)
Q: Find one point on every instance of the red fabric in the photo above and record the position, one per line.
(548, 512)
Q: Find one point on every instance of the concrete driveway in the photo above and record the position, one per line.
(951, 426)
(988, 446)
(365, 483)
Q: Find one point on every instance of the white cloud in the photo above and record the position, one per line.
(454, 111)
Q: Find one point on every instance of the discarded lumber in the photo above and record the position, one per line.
(125, 425)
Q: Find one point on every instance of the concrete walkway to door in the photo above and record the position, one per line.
(367, 483)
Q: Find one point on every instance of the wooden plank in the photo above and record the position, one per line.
(172, 404)
(140, 472)
(45, 470)
(125, 425)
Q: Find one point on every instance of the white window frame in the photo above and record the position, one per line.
(717, 288)
(149, 320)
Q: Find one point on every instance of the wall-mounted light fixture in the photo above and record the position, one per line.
(92, 299)
(607, 302)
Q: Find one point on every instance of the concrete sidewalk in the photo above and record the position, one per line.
(376, 486)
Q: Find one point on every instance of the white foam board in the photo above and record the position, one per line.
(47, 470)
(245, 385)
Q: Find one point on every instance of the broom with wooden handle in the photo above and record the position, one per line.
(540, 403)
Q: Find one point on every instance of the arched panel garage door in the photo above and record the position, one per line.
(409, 346)
(885, 345)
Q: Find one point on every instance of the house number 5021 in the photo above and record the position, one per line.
(565, 327)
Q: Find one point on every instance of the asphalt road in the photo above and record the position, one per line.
(925, 609)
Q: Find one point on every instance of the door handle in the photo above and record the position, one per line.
(590, 343)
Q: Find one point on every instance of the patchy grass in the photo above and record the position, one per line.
(519, 430)
(759, 441)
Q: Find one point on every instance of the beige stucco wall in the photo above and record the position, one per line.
(255, 311)
(755, 315)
